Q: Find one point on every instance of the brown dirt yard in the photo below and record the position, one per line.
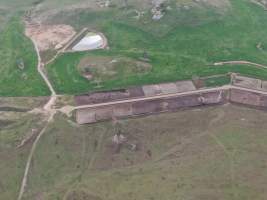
(50, 37)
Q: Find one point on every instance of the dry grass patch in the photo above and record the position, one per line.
(104, 68)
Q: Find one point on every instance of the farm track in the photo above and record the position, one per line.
(28, 164)
(48, 110)
(240, 62)
(40, 68)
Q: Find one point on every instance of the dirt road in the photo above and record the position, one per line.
(48, 110)
(40, 67)
(28, 164)
(239, 62)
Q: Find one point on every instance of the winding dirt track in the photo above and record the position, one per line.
(40, 67)
(48, 110)
(239, 62)
(28, 164)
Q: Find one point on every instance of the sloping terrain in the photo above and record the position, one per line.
(18, 128)
(118, 19)
(212, 153)
(201, 153)
(184, 43)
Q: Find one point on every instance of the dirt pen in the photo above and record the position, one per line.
(246, 91)
(134, 92)
(252, 99)
(145, 107)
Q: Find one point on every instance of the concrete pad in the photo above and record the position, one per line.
(151, 90)
(175, 103)
(122, 110)
(263, 102)
(245, 97)
(168, 88)
(104, 113)
(184, 86)
(84, 116)
(147, 107)
(216, 97)
(136, 92)
(247, 82)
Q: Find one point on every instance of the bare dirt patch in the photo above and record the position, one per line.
(50, 37)
(101, 67)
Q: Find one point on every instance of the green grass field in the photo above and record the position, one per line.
(211, 153)
(16, 47)
(183, 44)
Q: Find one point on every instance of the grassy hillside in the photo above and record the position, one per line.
(215, 153)
(184, 43)
(16, 50)
(15, 125)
